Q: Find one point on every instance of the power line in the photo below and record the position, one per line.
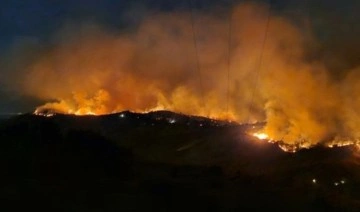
(260, 60)
(197, 53)
(229, 59)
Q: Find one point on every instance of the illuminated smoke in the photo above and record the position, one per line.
(92, 70)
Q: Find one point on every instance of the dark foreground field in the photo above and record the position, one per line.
(163, 161)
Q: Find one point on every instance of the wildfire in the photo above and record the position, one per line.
(341, 143)
(261, 136)
(97, 72)
(87, 112)
(44, 113)
(288, 148)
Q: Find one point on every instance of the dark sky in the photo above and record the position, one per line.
(333, 21)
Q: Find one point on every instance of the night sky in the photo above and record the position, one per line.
(34, 23)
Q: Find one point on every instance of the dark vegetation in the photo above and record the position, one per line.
(164, 161)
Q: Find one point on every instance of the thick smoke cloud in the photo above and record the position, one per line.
(89, 69)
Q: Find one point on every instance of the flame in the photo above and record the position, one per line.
(261, 136)
(91, 71)
(82, 112)
(288, 148)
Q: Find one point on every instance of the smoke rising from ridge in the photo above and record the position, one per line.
(92, 70)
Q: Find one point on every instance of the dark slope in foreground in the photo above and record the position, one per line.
(164, 161)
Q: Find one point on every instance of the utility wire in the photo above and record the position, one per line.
(229, 59)
(260, 60)
(197, 53)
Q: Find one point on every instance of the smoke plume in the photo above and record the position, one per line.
(91, 69)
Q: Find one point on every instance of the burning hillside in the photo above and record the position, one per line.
(91, 70)
(171, 119)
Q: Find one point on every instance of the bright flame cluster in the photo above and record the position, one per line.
(261, 136)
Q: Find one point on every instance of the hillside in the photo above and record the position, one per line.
(165, 161)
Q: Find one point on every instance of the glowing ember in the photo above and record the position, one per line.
(341, 143)
(288, 148)
(261, 136)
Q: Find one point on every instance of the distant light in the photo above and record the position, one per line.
(314, 180)
(172, 121)
(201, 125)
(122, 115)
(342, 181)
(336, 183)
